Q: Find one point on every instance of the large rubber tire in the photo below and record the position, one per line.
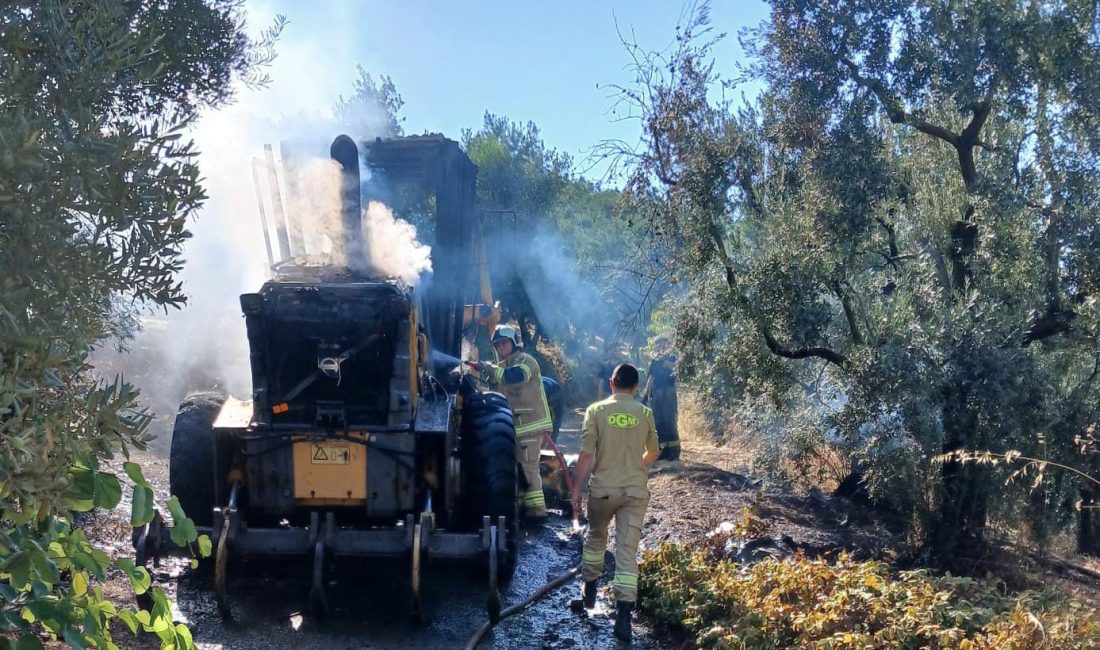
(191, 471)
(489, 467)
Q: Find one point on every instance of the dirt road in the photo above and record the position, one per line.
(370, 603)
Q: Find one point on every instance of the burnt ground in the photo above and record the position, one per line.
(713, 487)
(370, 599)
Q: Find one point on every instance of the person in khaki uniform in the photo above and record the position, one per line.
(620, 441)
(517, 375)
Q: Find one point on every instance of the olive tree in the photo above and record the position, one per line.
(97, 183)
(905, 220)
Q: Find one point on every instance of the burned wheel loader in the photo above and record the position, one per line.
(362, 436)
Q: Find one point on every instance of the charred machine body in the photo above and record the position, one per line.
(360, 437)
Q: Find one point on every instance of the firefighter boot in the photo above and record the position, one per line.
(622, 621)
(587, 599)
(589, 594)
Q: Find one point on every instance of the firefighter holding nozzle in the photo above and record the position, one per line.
(517, 375)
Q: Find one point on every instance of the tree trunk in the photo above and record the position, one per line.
(958, 528)
(1037, 516)
(1088, 523)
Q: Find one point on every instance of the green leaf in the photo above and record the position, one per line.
(89, 562)
(176, 508)
(74, 638)
(29, 642)
(108, 491)
(127, 617)
(20, 516)
(83, 482)
(6, 623)
(7, 592)
(161, 625)
(18, 566)
(184, 636)
(184, 532)
(141, 509)
(133, 470)
(206, 547)
(45, 567)
(80, 583)
(139, 576)
(42, 610)
(82, 488)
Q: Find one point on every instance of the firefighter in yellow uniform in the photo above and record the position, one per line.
(619, 443)
(517, 375)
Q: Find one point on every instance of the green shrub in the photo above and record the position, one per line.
(803, 603)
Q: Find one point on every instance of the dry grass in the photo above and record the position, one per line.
(848, 604)
(692, 421)
(823, 467)
(694, 425)
(729, 446)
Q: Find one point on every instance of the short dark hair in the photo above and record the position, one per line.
(625, 376)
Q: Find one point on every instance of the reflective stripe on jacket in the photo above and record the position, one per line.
(527, 398)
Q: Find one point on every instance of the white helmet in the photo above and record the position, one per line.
(506, 332)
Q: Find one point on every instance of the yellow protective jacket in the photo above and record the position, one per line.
(618, 432)
(525, 394)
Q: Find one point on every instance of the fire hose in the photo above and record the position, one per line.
(553, 584)
(519, 607)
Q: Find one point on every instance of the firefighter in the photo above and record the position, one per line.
(619, 443)
(660, 394)
(517, 375)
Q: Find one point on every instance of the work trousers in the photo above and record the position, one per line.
(629, 512)
(532, 500)
(665, 413)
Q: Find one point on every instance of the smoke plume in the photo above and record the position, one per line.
(392, 247)
(566, 304)
(203, 346)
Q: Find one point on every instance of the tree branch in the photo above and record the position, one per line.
(802, 353)
(963, 143)
(968, 139)
(891, 237)
(1057, 320)
(893, 107)
(660, 168)
(941, 267)
(849, 313)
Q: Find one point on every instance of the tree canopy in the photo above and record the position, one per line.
(373, 108)
(98, 182)
(894, 246)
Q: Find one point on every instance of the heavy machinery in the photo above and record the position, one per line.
(363, 436)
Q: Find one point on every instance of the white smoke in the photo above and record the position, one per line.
(392, 247)
(203, 346)
(318, 201)
(390, 250)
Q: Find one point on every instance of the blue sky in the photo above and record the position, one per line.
(550, 63)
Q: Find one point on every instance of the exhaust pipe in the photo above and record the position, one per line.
(346, 154)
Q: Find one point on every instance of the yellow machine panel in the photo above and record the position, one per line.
(330, 472)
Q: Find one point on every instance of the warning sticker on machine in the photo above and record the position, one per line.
(331, 454)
